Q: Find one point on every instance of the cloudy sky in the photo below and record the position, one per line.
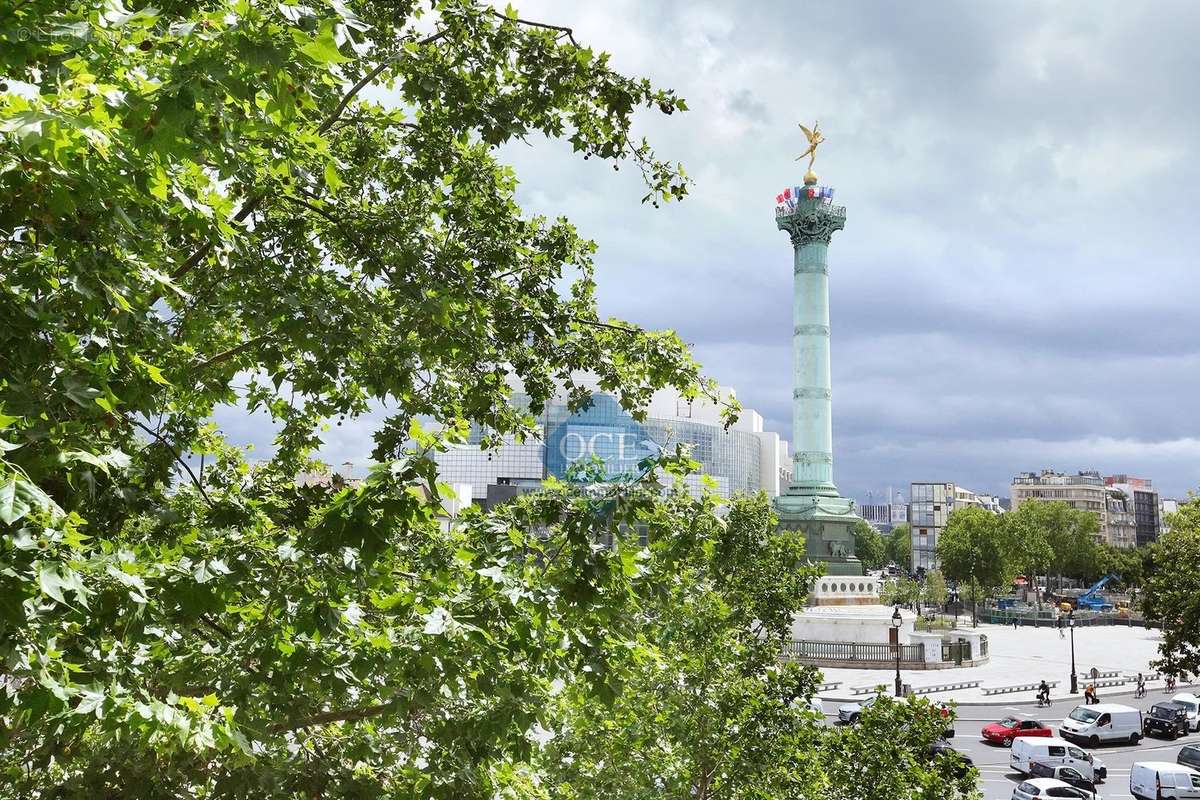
(1016, 285)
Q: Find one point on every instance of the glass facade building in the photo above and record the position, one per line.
(743, 458)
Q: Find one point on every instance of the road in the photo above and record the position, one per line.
(997, 781)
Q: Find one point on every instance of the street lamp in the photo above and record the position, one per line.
(897, 621)
(1071, 625)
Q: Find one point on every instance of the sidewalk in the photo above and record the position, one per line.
(1020, 656)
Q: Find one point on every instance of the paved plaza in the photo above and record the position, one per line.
(1021, 656)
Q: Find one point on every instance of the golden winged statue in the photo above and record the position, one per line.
(814, 138)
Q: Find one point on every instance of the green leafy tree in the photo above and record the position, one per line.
(905, 591)
(716, 714)
(974, 550)
(1172, 593)
(869, 546)
(935, 591)
(888, 754)
(200, 208)
(1029, 551)
(899, 546)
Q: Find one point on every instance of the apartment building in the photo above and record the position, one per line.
(1146, 505)
(1119, 527)
(1127, 508)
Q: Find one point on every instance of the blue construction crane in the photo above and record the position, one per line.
(1092, 600)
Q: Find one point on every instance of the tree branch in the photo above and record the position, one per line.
(595, 323)
(221, 629)
(178, 459)
(237, 350)
(346, 715)
(533, 24)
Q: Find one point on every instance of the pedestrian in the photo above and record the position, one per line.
(1059, 624)
(1014, 620)
(1141, 686)
(1089, 694)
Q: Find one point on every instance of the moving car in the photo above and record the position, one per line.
(850, 712)
(1012, 726)
(1104, 722)
(1166, 719)
(1162, 780)
(1189, 756)
(1062, 773)
(1038, 788)
(1192, 703)
(941, 746)
(1026, 751)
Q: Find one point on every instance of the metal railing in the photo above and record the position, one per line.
(853, 651)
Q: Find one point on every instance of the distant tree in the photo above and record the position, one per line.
(1173, 593)
(869, 546)
(1127, 563)
(935, 588)
(974, 550)
(900, 591)
(899, 546)
(1028, 550)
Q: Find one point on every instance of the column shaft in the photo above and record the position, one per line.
(812, 413)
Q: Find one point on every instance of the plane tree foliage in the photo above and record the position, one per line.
(1172, 593)
(199, 207)
(869, 546)
(974, 549)
(299, 210)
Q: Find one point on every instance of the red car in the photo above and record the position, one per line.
(1009, 728)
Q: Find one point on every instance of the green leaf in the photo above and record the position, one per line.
(51, 582)
(322, 48)
(332, 179)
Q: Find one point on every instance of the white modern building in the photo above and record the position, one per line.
(744, 458)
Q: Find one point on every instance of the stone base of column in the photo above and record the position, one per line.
(828, 527)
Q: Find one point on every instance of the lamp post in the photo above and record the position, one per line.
(897, 621)
(1071, 625)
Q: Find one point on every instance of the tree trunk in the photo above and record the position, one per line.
(975, 606)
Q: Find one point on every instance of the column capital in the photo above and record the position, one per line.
(811, 221)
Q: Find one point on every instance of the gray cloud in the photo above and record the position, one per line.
(1016, 286)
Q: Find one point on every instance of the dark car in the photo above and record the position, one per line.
(940, 746)
(1166, 719)
(1189, 756)
(1062, 772)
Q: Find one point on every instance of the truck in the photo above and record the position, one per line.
(1092, 600)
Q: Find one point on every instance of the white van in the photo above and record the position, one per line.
(1054, 751)
(1105, 722)
(1162, 780)
(1192, 704)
